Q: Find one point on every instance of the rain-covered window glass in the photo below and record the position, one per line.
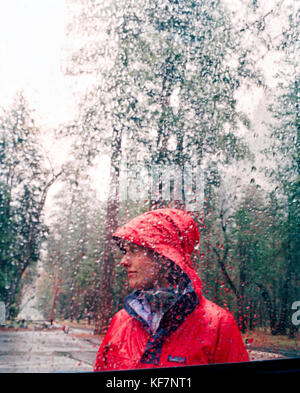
(149, 183)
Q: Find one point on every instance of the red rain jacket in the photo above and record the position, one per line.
(207, 334)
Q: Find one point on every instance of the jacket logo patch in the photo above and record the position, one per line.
(177, 359)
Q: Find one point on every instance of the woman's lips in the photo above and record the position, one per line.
(131, 274)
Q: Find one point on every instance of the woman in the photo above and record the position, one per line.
(166, 321)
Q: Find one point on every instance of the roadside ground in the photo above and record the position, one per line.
(261, 344)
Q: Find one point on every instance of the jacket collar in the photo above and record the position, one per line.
(182, 307)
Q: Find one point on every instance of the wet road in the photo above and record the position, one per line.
(45, 351)
(53, 351)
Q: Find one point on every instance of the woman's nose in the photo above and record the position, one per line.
(125, 261)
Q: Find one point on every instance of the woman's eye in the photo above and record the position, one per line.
(133, 249)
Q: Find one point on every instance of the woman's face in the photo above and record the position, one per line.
(142, 270)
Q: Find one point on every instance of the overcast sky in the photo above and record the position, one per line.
(32, 38)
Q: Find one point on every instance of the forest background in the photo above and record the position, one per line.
(185, 88)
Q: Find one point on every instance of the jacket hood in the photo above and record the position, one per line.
(171, 233)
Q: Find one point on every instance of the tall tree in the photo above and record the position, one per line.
(74, 248)
(24, 187)
(285, 133)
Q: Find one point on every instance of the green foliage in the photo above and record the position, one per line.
(7, 240)
(22, 183)
(74, 250)
(157, 53)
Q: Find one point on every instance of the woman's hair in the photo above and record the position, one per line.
(170, 270)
